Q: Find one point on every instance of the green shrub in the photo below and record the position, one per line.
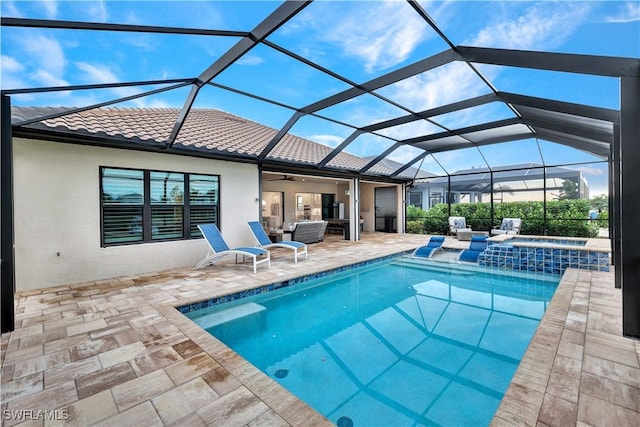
(564, 217)
(416, 227)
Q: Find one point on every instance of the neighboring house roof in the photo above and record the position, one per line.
(479, 179)
(529, 170)
(411, 172)
(206, 130)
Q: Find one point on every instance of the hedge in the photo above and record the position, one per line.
(568, 218)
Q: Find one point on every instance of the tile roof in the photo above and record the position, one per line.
(203, 129)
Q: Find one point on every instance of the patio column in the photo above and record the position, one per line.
(630, 206)
(614, 205)
(354, 209)
(7, 268)
(402, 208)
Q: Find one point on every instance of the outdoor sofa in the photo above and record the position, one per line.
(308, 231)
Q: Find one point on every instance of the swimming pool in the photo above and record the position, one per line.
(400, 342)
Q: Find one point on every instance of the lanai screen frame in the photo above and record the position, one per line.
(552, 126)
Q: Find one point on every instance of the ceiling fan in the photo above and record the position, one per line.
(284, 178)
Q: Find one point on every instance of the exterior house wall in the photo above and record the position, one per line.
(57, 213)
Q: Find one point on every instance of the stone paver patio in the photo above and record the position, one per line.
(116, 352)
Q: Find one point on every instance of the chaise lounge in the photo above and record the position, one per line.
(434, 245)
(264, 242)
(218, 248)
(478, 244)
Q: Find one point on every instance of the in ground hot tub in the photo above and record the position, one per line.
(546, 254)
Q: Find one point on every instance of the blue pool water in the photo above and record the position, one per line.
(397, 343)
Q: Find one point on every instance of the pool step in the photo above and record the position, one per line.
(246, 311)
(446, 265)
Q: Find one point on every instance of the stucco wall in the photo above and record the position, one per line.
(57, 210)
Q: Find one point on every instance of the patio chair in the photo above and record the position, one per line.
(218, 248)
(433, 245)
(264, 242)
(478, 244)
(508, 226)
(457, 223)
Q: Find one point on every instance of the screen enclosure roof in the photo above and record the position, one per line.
(304, 85)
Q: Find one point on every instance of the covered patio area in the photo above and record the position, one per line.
(117, 352)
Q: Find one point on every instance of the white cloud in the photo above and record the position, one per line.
(383, 36)
(10, 65)
(10, 9)
(47, 52)
(328, 140)
(628, 12)
(405, 154)
(543, 26)
(410, 130)
(45, 78)
(13, 81)
(250, 60)
(50, 8)
(97, 10)
(141, 41)
(101, 74)
(96, 74)
(437, 87)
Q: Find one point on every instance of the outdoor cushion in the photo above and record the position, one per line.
(507, 224)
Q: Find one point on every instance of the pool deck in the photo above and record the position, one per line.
(116, 352)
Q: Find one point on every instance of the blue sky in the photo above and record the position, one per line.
(360, 40)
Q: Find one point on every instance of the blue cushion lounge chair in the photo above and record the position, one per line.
(264, 242)
(218, 248)
(434, 245)
(477, 245)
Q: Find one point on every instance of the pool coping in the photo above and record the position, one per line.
(522, 402)
(591, 244)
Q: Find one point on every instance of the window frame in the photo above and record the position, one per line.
(147, 206)
(413, 193)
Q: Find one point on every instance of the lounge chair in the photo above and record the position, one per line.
(477, 245)
(458, 223)
(434, 245)
(508, 226)
(264, 242)
(218, 248)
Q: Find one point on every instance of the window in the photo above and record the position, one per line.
(122, 205)
(415, 198)
(144, 206)
(203, 194)
(434, 198)
(167, 205)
